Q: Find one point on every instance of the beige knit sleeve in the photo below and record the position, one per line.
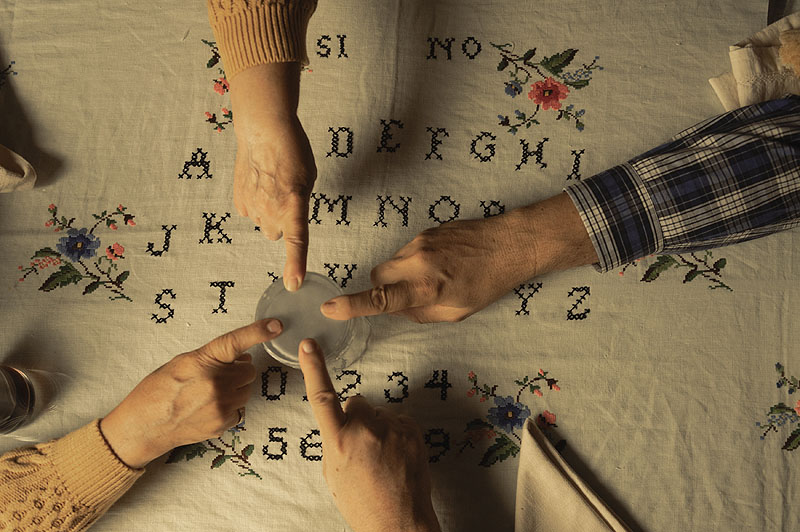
(65, 484)
(254, 32)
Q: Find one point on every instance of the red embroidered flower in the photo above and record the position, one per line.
(224, 110)
(48, 223)
(51, 207)
(491, 434)
(113, 227)
(555, 387)
(471, 375)
(541, 372)
(130, 222)
(538, 393)
(483, 399)
(114, 252)
(470, 393)
(221, 85)
(120, 207)
(797, 408)
(548, 93)
(208, 115)
(549, 417)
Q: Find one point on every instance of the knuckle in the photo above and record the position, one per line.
(379, 299)
(324, 398)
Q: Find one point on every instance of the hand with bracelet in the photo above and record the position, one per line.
(193, 397)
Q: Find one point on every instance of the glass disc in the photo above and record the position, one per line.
(299, 312)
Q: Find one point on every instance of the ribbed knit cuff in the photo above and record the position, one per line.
(617, 212)
(89, 469)
(255, 33)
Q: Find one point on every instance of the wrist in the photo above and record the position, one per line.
(265, 95)
(128, 444)
(552, 236)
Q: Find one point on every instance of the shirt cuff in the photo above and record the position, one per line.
(271, 32)
(619, 216)
(89, 469)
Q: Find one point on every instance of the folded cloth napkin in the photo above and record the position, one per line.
(15, 172)
(551, 497)
(764, 66)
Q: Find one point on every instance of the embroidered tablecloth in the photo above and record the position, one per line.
(668, 384)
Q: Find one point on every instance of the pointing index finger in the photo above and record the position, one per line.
(228, 347)
(319, 389)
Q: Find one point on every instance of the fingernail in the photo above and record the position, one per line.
(329, 307)
(274, 326)
(308, 346)
(292, 284)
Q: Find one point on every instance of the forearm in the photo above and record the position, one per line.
(729, 179)
(265, 97)
(66, 484)
(256, 32)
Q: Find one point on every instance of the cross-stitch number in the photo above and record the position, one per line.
(439, 382)
(275, 439)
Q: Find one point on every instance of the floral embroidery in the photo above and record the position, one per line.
(225, 451)
(548, 93)
(221, 87)
(506, 417)
(6, 73)
(698, 268)
(76, 250)
(219, 125)
(782, 414)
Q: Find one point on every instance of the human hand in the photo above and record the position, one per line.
(449, 272)
(374, 461)
(193, 397)
(274, 171)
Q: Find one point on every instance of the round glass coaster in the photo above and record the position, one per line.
(342, 342)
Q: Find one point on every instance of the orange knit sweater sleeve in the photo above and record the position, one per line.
(65, 484)
(254, 32)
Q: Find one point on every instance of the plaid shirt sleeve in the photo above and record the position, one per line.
(731, 178)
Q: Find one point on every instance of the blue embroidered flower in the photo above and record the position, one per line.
(508, 414)
(504, 120)
(513, 88)
(80, 244)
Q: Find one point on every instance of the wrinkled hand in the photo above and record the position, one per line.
(449, 272)
(193, 397)
(274, 171)
(375, 462)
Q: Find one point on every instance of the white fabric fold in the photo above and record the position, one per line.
(551, 497)
(757, 73)
(15, 172)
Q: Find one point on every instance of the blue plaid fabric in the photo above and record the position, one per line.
(731, 178)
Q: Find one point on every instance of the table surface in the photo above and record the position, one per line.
(661, 376)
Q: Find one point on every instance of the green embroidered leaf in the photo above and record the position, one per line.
(690, 276)
(46, 252)
(186, 452)
(661, 265)
(581, 83)
(247, 451)
(478, 424)
(502, 64)
(793, 442)
(556, 63)
(219, 460)
(213, 61)
(530, 53)
(502, 448)
(91, 287)
(66, 275)
(781, 408)
(720, 264)
(121, 277)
